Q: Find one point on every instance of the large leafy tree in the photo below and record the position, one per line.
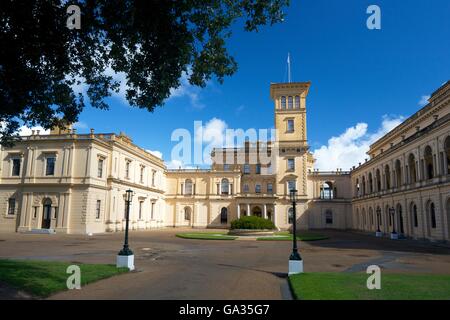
(152, 41)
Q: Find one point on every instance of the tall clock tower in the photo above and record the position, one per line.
(291, 146)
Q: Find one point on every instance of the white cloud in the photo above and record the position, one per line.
(80, 125)
(350, 148)
(423, 101)
(156, 153)
(25, 131)
(187, 90)
(177, 164)
(213, 132)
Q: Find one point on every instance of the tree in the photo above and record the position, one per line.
(152, 41)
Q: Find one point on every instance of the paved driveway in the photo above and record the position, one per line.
(172, 268)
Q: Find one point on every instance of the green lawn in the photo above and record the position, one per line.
(352, 286)
(206, 236)
(302, 236)
(43, 278)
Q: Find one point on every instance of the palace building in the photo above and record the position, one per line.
(66, 182)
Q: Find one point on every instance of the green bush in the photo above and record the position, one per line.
(252, 222)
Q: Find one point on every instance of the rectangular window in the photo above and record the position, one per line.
(258, 169)
(16, 167)
(258, 188)
(290, 125)
(291, 164)
(100, 168)
(246, 188)
(35, 212)
(153, 177)
(127, 170)
(246, 169)
(141, 205)
(97, 209)
(50, 166)
(226, 167)
(269, 188)
(291, 185)
(153, 210)
(141, 176)
(11, 206)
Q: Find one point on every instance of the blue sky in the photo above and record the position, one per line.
(363, 81)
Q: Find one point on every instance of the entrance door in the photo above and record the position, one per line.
(47, 214)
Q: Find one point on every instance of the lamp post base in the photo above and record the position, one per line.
(125, 262)
(378, 234)
(295, 266)
(394, 236)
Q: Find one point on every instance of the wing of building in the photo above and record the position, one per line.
(75, 183)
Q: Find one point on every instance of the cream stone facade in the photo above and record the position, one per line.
(409, 172)
(75, 183)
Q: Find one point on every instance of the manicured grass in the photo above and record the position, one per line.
(353, 286)
(43, 278)
(302, 236)
(206, 236)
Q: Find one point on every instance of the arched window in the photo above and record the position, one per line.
(224, 215)
(358, 225)
(363, 185)
(398, 173)
(291, 216)
(187, 213)
(379, 220)
(378, 177)
(326, 190)
(412, 169)
(387, 176)
(224, 186)
(357, 188)
(432, 215)
(428, 158)
(447, 153)
(290, 102)
(297, 102)
(188, 187)
(370, 183)
(328, 217)
(283, 102)
(371, 216)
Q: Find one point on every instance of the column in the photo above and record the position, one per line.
(275, 215)
(265, 211)
(248, 209)
(238, 214)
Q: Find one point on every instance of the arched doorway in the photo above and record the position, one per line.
(413, 218)
(187, 215)
(224, 215)
(257, 211)
(447, 154)
(401, 228)
(448, 218)
(46, 214)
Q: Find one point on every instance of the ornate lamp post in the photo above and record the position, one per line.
(295, 260)
(378, 233)
(125, 258)
(394, 235)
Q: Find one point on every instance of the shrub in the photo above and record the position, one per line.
(252, 222)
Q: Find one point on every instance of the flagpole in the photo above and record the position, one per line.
(289, 67)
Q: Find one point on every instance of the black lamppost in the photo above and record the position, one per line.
(295, 260)
(394, 235)
(126, 251)
(125, 258)
(378, 233)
